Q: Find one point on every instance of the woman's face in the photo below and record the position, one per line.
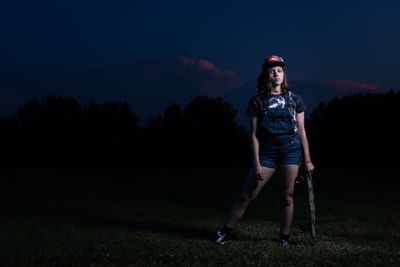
(276, 75)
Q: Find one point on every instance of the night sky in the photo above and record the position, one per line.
(154, 53)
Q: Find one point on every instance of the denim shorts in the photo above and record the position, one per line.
(281, 149)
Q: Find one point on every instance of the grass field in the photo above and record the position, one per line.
(168, 217)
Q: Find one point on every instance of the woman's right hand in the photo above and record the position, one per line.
(259, 172)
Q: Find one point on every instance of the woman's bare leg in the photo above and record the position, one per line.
(250, 190)
(288, 174)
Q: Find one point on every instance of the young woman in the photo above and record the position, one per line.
(278, 140)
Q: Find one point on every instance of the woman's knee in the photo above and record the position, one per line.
(245, 199)
(287, 199)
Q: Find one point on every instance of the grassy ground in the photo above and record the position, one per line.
(169, 217)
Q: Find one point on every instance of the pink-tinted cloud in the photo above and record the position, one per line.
(352, 85)
(199, 76)
(204, 65)
(187, 62)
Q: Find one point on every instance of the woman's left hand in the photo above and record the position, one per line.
(309, 167)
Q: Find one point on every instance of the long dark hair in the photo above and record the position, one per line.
(264, 85)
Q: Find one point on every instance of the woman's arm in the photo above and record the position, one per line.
(303, 136)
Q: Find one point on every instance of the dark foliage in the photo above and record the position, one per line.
(205, 133)
(357, 130)
(59, 130)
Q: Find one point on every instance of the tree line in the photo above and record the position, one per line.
(60, 130)
(357, 130)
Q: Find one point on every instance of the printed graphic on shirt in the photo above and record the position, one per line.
(278, 101)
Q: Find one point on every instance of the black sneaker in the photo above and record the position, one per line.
(222, 238)
(283, 242)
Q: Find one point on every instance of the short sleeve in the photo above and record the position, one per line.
(253, 107)
(300, 105)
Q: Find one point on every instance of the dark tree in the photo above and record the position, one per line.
(212, 133)
(356, 130)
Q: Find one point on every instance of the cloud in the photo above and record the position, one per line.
(199, 75)
(205, 65)
(352, 85)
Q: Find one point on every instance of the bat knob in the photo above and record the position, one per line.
(305, 227)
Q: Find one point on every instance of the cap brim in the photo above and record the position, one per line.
(272, 64)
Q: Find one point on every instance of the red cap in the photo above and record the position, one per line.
(274, 61)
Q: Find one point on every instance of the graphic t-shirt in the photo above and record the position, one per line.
(255, 105)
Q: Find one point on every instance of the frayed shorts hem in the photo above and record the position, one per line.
(273, 164)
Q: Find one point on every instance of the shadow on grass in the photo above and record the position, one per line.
(175, 228)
